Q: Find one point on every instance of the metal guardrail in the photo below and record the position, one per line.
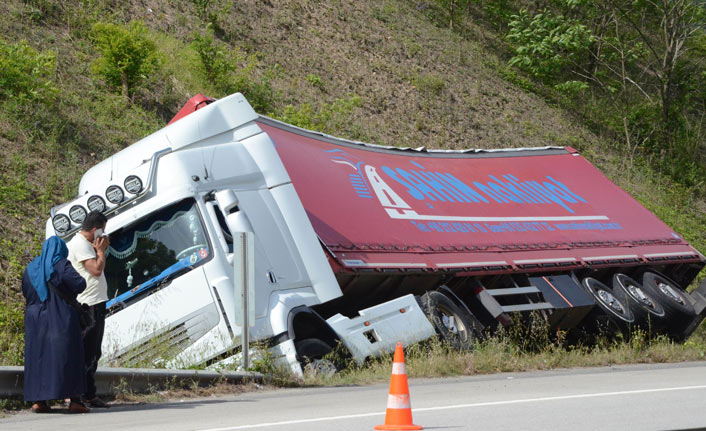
(136, 379)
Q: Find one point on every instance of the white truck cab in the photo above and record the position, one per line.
(173, 201)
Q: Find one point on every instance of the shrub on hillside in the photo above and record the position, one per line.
(328, 118)
(230, 70)
(127, 55)
(26, 73)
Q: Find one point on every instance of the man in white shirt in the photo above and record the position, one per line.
(87, 255)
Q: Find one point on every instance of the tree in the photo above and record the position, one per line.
(637, 52)
(453, 7)
(127, 55)
(678, 21)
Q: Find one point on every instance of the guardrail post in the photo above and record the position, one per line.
(244, 284)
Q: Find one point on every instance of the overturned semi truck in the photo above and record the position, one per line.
(365, 245)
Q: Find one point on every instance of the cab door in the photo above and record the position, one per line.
(278, 265)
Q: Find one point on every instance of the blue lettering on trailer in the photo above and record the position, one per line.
(424, 185)
(444, 187)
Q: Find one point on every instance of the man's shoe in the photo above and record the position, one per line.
(40, 407)
(98, 403)
(76, 407)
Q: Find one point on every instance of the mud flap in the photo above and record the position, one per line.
(698, 297)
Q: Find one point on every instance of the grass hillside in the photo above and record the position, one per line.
(388, 72)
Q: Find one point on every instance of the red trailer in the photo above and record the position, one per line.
(501, 230)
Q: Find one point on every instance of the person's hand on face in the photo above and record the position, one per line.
(100, 242)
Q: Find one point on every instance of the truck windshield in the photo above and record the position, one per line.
(147, 254)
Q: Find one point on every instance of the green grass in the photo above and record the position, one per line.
(501, 354)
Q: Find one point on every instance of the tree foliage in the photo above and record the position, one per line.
(642, 59)
(546, 44)
(127, 55)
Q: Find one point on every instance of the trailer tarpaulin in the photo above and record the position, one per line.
(384, 207)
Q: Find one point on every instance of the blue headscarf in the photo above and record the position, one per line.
(41, 268)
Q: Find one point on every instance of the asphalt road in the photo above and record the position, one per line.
(645, 397)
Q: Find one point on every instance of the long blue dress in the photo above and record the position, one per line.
(54, 367)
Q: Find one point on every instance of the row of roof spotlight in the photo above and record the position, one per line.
(114, 194)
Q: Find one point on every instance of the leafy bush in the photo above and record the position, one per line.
(128, 56)
(571, 88)
(329, 118)
(26, 73)
(229, 70)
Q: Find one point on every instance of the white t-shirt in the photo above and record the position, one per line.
(80, 250)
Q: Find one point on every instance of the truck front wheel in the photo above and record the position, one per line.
(450, 322)
(310, 353)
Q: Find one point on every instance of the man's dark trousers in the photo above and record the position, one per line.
(92, 348)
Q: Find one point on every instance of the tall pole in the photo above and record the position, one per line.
(244, 289)
(245, 337)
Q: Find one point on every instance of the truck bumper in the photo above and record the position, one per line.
(378, 329)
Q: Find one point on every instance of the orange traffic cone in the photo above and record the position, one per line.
(399, 411)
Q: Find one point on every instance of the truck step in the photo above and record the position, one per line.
(514, 291)
(527, 307)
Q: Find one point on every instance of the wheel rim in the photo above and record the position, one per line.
(643, 297)
(451, 323)
(669, 292)
(640, 296)
(611, 301)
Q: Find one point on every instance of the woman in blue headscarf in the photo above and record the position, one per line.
(54, 367)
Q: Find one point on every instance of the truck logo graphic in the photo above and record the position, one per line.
(358, 181)
(422, 185)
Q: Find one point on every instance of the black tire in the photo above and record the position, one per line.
(678, 310)
(613, 304)
(648, 311)
(310, 349)
(453, 324)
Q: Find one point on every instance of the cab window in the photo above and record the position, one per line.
(146, 255)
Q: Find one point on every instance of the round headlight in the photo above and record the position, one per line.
(133, 184)
(61, 223)
(114, 194)
(77, 213)
(96, 203)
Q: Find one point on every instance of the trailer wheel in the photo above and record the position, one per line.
(678, 309)
(613, 303)
(648, 311)
(451, 323)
